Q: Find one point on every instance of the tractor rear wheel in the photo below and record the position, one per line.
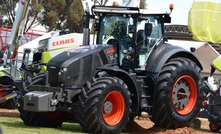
(10, 104)
(104, 106)
(42, 119)
(178, 94)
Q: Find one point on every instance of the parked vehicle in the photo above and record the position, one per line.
(23, 66)
(131, 69)
(203, 27)
(212, 103)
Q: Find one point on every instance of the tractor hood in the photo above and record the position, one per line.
(76, 66)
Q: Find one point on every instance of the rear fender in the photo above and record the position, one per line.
(129, 81)
(162, 54)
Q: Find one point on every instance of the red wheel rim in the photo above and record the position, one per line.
(53, 115)
(113, 108)
(214, 126)
(184, 95)
(2, 94)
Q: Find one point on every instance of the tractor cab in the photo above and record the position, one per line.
(134, 34)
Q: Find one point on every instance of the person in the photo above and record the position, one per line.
(120, 34)
(125, 44)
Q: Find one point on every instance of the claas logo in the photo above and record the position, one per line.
(63, 42)
(110, 51)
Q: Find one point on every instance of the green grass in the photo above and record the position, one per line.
(14, 125)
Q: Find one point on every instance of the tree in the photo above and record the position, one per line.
(63, 14)
(143, 4)
(74, 21)
(104, 2)
(34, 15)
(67, 14)
(101, 2)
(8, 13)
(7, 10)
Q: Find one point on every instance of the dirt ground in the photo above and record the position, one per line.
(145, 126)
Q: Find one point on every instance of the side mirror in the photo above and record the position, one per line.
(27, 51)
(167, 19)
(148, 29)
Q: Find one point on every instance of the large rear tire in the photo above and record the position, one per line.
(42, 119)
(104, 106)
(178, 95)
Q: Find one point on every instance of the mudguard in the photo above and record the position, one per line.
(8, 73)
(166, 51)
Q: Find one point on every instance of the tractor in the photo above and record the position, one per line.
(131, 69)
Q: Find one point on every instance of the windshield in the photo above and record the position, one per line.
(115, 28)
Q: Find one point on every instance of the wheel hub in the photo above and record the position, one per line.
(181, 95)
(108, 107)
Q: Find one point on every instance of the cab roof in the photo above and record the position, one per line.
(125, 10)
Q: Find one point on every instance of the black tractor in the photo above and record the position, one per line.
(130, 70)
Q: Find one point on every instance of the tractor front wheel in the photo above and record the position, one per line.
(42, 119)
(104, 106)
(178, 94)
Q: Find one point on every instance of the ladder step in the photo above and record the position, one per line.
(146, 106)
(141, 77)
(145, 87)
(144, 116)
(143, 96)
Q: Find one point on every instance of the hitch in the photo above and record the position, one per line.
(8, 97)
(9, 88)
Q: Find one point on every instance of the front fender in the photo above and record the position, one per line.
(129, 81)
(165, 52)
(4, 71)
(10, 73)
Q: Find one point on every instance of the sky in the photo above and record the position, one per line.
(180, 12)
